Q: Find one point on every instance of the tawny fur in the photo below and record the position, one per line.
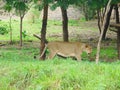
(67, 49)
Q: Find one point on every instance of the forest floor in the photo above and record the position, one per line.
(86, 32)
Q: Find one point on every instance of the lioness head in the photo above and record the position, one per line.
(88, 49)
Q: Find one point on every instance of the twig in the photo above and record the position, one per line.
(37, 36)
(113, 29)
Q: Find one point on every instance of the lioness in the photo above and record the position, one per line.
(67, 49)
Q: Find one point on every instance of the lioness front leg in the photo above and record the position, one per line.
(78, 58)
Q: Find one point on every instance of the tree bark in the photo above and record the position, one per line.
(21, 21)
(21, 25)
(10, 26)
(107, 22)
(118, 43)
(102, 30)
(117, 14)
(118, 31)
(65, 24)
(99, 20)
(43, 31)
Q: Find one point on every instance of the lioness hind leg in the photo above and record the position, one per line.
(51, 56)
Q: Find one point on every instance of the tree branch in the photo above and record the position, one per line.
(102, 30)
(113, 29)
(37, 36)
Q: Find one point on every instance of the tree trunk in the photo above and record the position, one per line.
(107, 22)
(65, 24)
(118, 42)
(102, 30)
(103, 11)
(21, 21)
(117, 14)
(101, 14)
(118, 31)
(43, 30)
(10, 26)
(99, 19)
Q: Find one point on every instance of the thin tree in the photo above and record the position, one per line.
(102, 30)
(65, 24)
(21, 9)
(107, 22)
(118, 31)
(43, 30)
(10, 25)
(8, 8)
(64, 4)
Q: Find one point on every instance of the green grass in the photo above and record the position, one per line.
(20, 71)
(53, 27)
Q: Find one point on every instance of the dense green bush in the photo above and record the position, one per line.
(3, 29)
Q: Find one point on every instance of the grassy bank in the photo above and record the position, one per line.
(20, 71)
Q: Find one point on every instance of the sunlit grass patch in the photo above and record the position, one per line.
(18, 71)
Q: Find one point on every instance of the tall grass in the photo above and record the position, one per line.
(20, 71)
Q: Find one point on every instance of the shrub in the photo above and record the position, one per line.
(3, 29)
(24, 34)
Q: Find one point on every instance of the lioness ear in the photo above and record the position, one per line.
(86, 46)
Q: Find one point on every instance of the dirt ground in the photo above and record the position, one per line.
(75, 34)
(89, 37)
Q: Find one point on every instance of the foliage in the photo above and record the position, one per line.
(89, 7)
(55, 3)
(3, 29)
(20, 6)
(63, 3)
(7, 7)
(100, 3)
(24, 34)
